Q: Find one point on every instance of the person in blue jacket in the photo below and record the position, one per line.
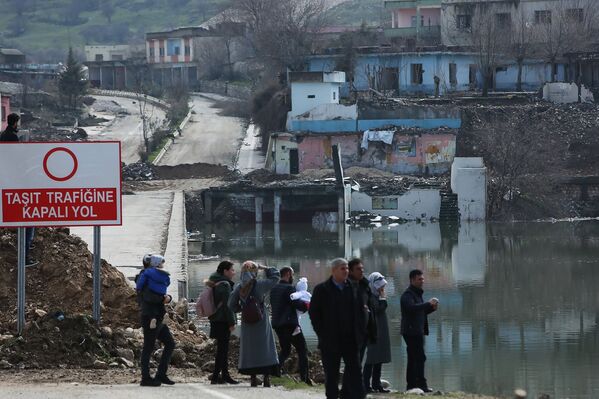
(152, 284)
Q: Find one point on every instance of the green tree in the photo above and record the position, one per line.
(72, 84)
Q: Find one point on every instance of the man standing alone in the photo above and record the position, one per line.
(285, 322)
(414, 326)
(333, 312)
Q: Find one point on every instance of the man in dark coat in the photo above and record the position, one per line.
(10, 136)
(414, 326)
(337, 318)
(285, 322)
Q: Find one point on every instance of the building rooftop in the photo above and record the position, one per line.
(11, 51)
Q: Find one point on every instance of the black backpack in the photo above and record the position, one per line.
(251, 309)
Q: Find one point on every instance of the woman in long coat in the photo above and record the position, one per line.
(258, 353)
(379, 352)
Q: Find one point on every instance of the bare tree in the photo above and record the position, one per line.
(141, 87)
(569, 26)
(521, 40)
(478, 29)
(281, 29)
(213, 56)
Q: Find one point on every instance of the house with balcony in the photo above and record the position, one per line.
(414, 21)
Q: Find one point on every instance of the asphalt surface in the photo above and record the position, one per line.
(208, 137)
(146, 218)
(124, 128)
(250, 154)
(179, 391)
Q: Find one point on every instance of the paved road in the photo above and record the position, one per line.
(208, 137)
(250, 154)
(179, 391)
(146, 218)
(125, 128)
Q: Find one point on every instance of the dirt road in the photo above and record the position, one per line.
(208, 137)
(124, 125)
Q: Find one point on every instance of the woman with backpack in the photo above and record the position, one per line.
(258, 353)
(222, 321)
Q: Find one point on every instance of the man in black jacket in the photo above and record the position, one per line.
(414, 326)
(336, 314)
(285, 322)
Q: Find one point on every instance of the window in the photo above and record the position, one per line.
(503, 20)
(152, 52)
(177, 50)
(384, 202)
(161, 53)
(99, 57)
(417, 73)
(453, 74)
(464, 21)
(472, 72)
(413, 23)
(187, 51)
(334, 95)
(542, 17)
(501, 69)
(311, 96)
(3, 114)
(575, 14)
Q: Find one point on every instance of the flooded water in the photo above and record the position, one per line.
(519, 302)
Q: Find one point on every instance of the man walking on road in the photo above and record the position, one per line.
(414, 326)
(10, 136)
(285, 322)
(335, 314)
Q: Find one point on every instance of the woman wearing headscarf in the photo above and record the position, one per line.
(258, 353)
(380, 351)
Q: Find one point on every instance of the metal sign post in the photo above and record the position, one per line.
(97, 282)
(21, 280)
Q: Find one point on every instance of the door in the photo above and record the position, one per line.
(293, 161)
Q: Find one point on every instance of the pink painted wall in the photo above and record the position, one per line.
(407, 154)
(433, 13)
(403, 17)
(5, 103)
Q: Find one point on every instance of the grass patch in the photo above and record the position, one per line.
(448, 395)
(291, 384)
(159, 148)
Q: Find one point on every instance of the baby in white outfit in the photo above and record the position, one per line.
(301, 293)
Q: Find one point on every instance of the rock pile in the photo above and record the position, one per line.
(138, 171)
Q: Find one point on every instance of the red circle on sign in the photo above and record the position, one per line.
(75, 164)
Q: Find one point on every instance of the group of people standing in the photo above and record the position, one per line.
(347, 312)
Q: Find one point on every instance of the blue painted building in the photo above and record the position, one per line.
(410, 73)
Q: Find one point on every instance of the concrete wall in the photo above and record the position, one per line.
(534, 74)
(308, 95)
(331, 118)
(4, 110)
(469, 182)
(412, 205)
(108, 53)
(427, 153)
(565, 93)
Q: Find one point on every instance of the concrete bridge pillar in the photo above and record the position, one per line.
(208, 206)
(259, 201)
(277, 211)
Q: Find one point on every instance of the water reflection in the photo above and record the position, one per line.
(519, 302)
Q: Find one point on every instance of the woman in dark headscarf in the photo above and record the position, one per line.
(258, 353)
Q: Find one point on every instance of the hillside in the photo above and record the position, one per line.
(354, 12)
(44, 29)
(47, 28)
